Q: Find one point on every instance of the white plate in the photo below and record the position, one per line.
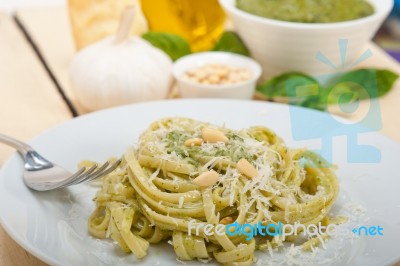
(52, 225)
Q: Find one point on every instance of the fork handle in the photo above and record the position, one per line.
(33, 160)
(21, 147)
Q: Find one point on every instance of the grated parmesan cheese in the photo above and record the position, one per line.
(181, 202)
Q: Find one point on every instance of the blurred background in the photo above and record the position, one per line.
(36, 48)
(388, 37)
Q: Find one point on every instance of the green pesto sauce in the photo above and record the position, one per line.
(308, 11)
(234, 151)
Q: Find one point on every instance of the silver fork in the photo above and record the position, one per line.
(42, 175)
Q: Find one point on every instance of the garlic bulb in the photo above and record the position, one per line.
(120, 70)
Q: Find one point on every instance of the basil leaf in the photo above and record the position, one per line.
(289, 85)
(314, 102)
(303, 90)
(173, 45)
(363, 84)
(345, 93)
(231, 42)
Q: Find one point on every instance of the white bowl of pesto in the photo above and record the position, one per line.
(321, 42)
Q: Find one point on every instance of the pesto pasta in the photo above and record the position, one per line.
(184, 170)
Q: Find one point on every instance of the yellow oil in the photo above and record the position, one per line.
(200, 22)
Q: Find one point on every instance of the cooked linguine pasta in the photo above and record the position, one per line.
(184, 170)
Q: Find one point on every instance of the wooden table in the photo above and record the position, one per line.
(35, 50)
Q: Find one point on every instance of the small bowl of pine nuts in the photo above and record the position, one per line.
(216, 75)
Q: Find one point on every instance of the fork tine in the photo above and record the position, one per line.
(83, 175)
(104, 166)
(80, 171)
(105, 172)
(112, 168)
(91, 169)
(75, 176)
(90, 174)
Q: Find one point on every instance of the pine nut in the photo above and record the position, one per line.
(218, 74)
(226, 220)
(213, 135)
(206, 179)
(246, 168)
(194, 142)
(214, 79)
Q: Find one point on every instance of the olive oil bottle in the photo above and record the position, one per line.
(200, 22)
